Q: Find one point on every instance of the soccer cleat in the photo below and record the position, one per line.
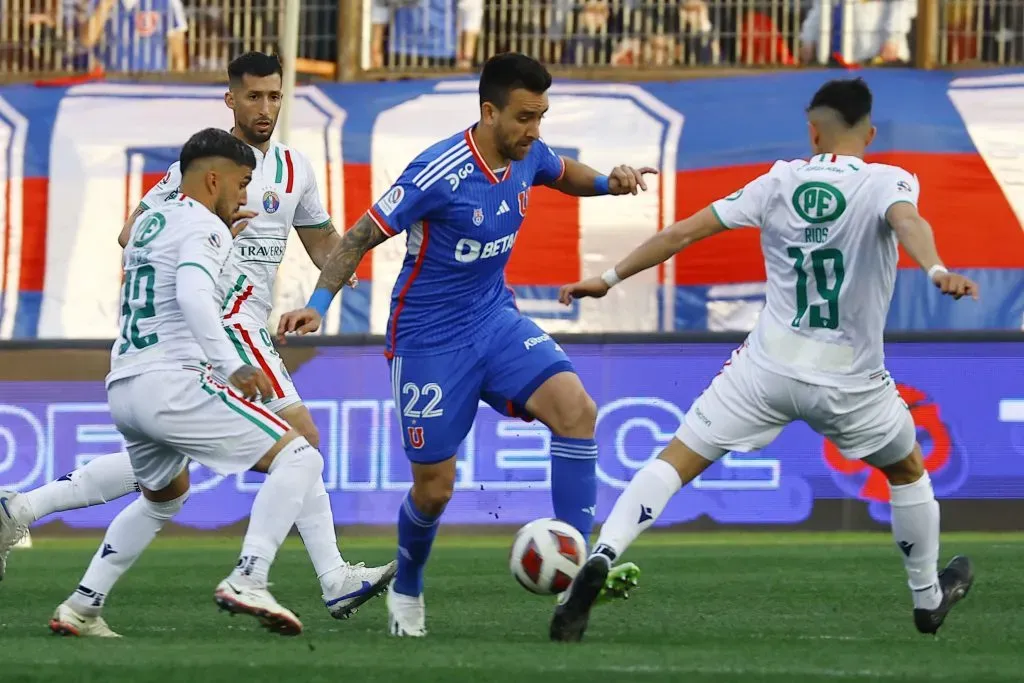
(573, 613)
(955, 581)
(67, 622)
(238, 597)
(407, 616)
(11, 530)
(621, 579)
(358, 584)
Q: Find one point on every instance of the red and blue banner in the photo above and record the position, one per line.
(75, 160)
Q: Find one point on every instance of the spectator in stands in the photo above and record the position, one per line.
(878, 32)
(135, 35)
(423, 29)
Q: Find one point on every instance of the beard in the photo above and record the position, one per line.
(254, 137)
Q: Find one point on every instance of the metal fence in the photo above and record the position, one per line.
(377, 37)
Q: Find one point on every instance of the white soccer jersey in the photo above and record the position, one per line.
(284, 193)
(179, 233)
(830, 258)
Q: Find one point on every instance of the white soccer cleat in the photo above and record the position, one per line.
(67, 622)
(407, 616)
(239, 597)
(11, 530)
(356, 584)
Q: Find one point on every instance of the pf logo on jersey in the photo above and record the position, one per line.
(478, 216)
(415, 437)
(271, 202)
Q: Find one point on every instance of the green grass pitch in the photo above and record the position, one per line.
(711, 607)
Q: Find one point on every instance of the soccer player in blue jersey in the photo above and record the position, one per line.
(455, 335)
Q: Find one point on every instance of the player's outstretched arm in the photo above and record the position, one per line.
(579, 180)
(339, 269)
(915, 234)
(655, 250)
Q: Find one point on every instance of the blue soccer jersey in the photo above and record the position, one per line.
(462, 219)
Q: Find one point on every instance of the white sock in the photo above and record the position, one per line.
(128, 535)
(915, 526)
(316, 527)
(101, 480)
(277, 505)
(639, 505)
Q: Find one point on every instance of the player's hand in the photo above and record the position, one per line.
(956, 285)
(251, 382)
(593, 287)
(302, 321)
(628, 180)
(240, 221)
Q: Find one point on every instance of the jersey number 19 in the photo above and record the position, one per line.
(830, 293)
(137, 305)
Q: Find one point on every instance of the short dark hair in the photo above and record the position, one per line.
(510, 71)
(214, 142)
(257, 64)
(850, 98)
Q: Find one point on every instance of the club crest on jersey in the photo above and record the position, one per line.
(415, 437)
(524, 201)
(478, 216)
(271, 202)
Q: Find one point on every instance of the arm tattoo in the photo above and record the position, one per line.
(357, 240)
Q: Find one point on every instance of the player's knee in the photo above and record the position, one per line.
(576, 417)
(164, 510)
(431, 494)
(905, 471)
(299, 454)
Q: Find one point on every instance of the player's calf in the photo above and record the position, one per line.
(418, 519)
(564, 406)
(915, 528)
(292, 466)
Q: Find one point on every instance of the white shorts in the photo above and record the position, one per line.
(746, 407)
(169, 417)
(256, 348)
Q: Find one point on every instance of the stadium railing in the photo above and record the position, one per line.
(357, 39)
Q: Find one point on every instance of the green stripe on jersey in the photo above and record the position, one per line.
(238, 345)
(719, 218)
(280, 165)
(246, 412)
(313, 227)
(239, 284)
(200, 266)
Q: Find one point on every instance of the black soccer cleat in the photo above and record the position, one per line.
(572, 615)
(955, 581)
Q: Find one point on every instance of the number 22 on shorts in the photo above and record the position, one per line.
(430, 393)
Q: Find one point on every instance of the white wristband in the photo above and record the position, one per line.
(937, 268)
(610, 277)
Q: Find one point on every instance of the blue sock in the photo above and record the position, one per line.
(574, 482)
(416, 533)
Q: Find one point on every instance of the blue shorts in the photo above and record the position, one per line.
(437, 396)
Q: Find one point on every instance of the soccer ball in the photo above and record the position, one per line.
(546, 554)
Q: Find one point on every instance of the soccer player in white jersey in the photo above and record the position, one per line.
(829, 233)
(283, 194)
(170, 401)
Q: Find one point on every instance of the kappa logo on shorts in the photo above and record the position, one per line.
(415, 437)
